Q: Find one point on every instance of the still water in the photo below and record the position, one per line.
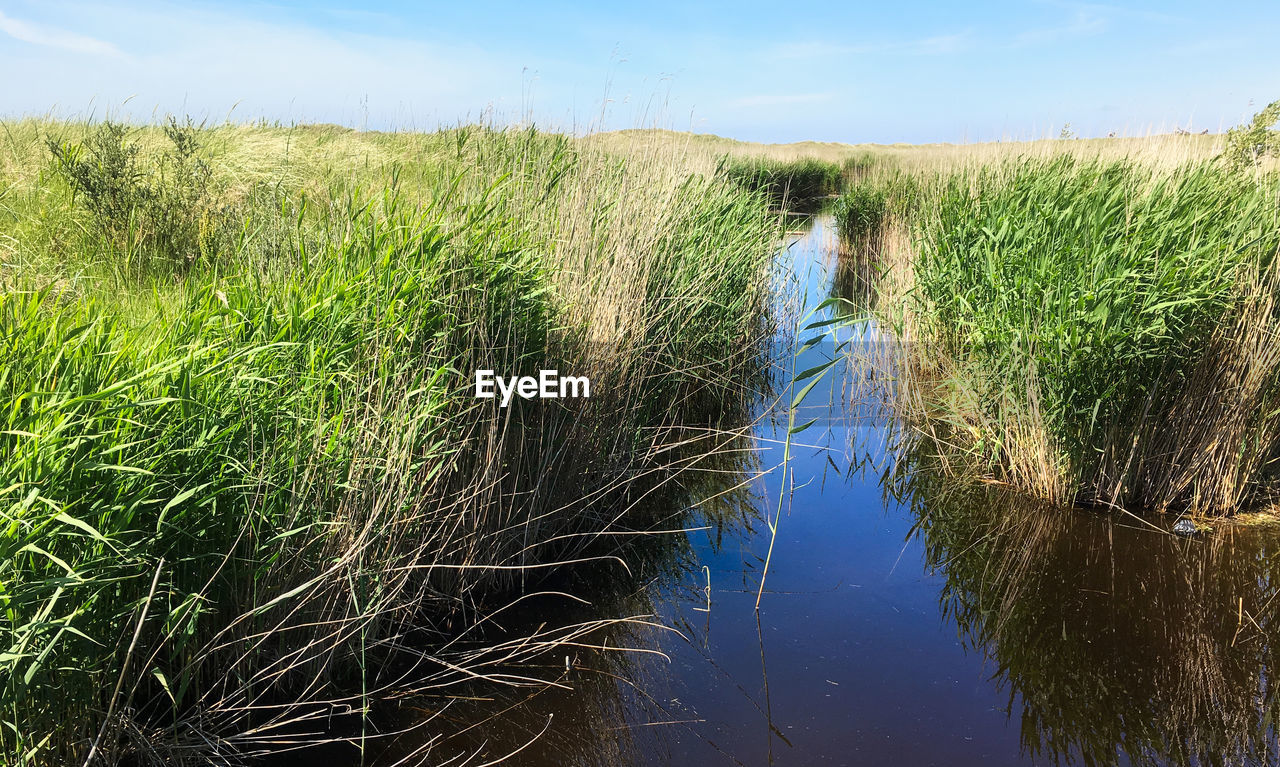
(903, 623)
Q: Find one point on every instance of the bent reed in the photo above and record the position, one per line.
(246, 484)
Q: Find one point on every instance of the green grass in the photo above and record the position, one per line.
(1102, 332)
(240, 469)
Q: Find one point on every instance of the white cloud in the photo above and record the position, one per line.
(1087, 20)
(1112, 11)
(38, 34)
(811, 49)
(1083, 20)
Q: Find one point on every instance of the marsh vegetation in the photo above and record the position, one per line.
(1097, 330)
(250, 502)
(244, 475)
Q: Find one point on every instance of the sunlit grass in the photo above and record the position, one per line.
(238, 477)
(1095, 331)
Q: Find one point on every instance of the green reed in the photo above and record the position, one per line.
(793, 184)
(1102, 332)
(232, 491)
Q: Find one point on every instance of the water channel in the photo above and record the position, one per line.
(904, 622)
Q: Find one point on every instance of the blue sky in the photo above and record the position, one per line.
(837, 71)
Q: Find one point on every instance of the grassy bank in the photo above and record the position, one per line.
(243, 466)
(1095, 330)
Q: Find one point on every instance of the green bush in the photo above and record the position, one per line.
(149, 212)
(1249, 144)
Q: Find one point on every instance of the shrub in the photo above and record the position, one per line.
(1249, 144)
(152, 213)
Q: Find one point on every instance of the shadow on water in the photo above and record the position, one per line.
(906, 621)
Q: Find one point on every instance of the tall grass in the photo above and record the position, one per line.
(240, 494)
(1100, 332)
(872, 215)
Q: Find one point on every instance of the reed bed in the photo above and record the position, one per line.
(799, 185)
(1150, 148)
(246, 486)
(1086, 328)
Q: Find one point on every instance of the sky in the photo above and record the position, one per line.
(855, 72)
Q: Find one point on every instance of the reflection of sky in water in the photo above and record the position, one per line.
(940, 630)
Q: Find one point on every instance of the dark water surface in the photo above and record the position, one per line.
(903, 623)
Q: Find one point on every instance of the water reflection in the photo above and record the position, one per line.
(601, 696)
(1112, 639)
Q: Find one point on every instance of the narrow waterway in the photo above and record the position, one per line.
(903, 622)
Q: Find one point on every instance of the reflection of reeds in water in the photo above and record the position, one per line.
(1112, 638)
(856, 273)
(560, 686)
